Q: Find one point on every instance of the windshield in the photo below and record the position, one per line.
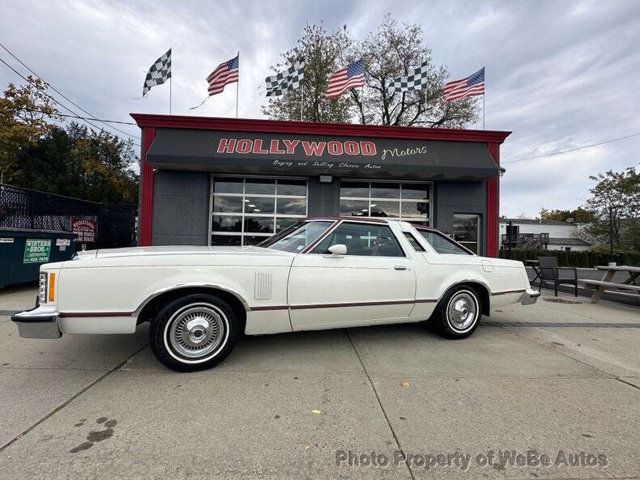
(297, 237)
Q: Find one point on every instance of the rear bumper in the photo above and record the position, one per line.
(39, 322)
(529, 297)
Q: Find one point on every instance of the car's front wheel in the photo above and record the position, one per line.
(194, 332)
(458, 312)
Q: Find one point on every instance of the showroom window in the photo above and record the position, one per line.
(246, 211)
(408, 201)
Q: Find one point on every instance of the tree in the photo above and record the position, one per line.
(81, 163)
(320, 51)
(579, 215)
(25, 114)
(387, 53)
(615, 199)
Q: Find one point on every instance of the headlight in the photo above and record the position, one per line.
(42, 291)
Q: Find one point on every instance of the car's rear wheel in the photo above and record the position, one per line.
(458, 313)
(194, 332)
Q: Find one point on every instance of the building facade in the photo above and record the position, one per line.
(219, 181)
(544, 234)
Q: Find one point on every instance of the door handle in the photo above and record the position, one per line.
(400, 267)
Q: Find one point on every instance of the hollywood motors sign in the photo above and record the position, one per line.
(287, 146)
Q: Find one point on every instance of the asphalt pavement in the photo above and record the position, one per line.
(544, 391)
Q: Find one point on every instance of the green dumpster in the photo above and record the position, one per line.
(23, 251)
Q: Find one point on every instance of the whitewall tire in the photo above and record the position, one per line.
(459, 312)
(194, 332)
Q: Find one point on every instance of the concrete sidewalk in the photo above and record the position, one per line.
(561, 378)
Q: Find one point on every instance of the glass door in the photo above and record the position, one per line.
(466, 230)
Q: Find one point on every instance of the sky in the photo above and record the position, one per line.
(559, 74)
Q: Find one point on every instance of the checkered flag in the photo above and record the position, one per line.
(159, 72)
(415, 78)
(288, 80)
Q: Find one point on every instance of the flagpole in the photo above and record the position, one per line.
(238, 85)
(170, 88)
(483, 111)
(301, 98)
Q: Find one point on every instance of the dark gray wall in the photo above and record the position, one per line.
(181, 205)
(180, 208)
(324, 198)
(459, 197)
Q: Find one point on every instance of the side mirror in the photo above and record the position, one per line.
(338, 249)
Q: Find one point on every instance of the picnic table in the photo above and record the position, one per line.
(630, 283)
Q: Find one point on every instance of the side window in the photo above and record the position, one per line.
(363, 239)
(414, 243)
(442, 244)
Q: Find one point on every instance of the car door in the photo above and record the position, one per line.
(374, 282)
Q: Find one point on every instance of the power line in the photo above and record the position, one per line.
(574, 149)
(62, 94)
(49, 96)
(103, 120)
(75, 114)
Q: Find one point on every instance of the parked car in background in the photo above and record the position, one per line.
(320, 273)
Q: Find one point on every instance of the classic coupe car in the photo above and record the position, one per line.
(320, 273)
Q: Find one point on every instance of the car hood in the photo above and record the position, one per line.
(180, 250)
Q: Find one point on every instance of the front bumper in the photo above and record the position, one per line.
(39, 322)
(529, 297)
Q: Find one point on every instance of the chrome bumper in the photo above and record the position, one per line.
(529, 297)
(39, 322)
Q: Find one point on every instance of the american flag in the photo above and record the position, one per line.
(346, 78)
(225, 73)
(467, 87)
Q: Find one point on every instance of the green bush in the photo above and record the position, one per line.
(574, 259)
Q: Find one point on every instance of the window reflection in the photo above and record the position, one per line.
(264, 187)
(227, 204)
(292, 187)
(258, 224)
(354, 208)
(466, 230)
(292, 206)
(408, 201)
(385, 190)
(228, 185)
(259, 205)
(226, 240)
(227, 224)
(382, 208)
(246, 211)
(415, 191)
(354, 189)
(415, 209)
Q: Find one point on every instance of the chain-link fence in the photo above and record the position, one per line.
(99, 225)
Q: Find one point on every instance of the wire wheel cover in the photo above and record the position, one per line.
(462, 310)
(196, 330)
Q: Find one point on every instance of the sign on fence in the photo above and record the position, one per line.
(86, 228)
(36, 250)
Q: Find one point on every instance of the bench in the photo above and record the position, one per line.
(601, 286)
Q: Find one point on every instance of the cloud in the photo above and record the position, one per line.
(559, 74)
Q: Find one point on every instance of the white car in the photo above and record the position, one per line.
(320, 273)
